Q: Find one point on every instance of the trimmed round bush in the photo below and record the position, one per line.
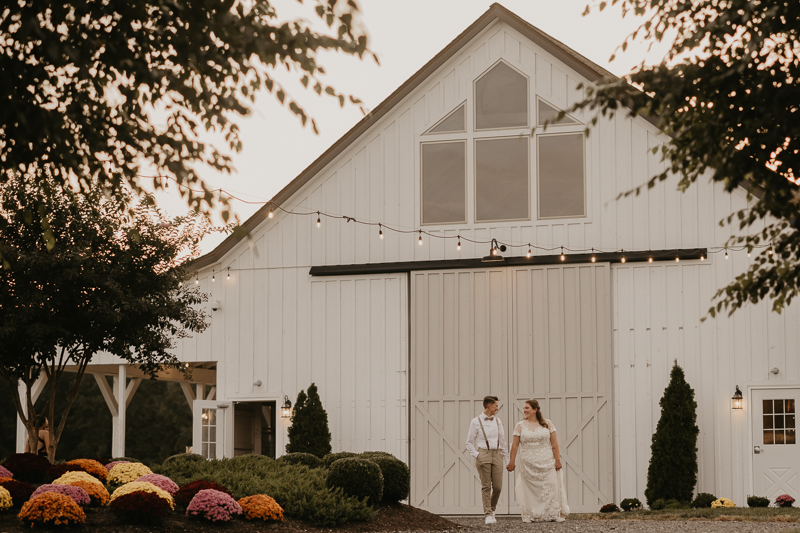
(162, 482)
(51, 509)
(213, 505)
(757, 501)
(98, 495)
(78, 495)
(187, 492)
(261, 507)
(630, 504)
(301, 458)
(396, 477)
(5, 499)
(609, 508)
(91, 467)
(5, 472)
(28, 467)
(331, 458)
(127, 472)
(181, 458)
(703, 500)
(19, 490)
(137, 503)
(70, 477)
(357, 477)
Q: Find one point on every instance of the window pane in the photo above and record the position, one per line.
(778, 406)
(779, 437)
(205, 451)
(768, 437)
(502, 179)
(767, 407)
(778, 421)
(561, 183)
(789, 406)
(791, 438)
(453, 123)
(205, 434)
(768, 422)
(212, 451)
(501, 99)
(548, 112)
(790, 421)
(444, 183)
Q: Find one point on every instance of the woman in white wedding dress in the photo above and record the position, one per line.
(540, 484)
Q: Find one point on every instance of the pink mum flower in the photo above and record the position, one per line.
(213, 505)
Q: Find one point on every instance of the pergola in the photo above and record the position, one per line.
(198, 381)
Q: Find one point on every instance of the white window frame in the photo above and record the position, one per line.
(527, 124)
(475, 142)
(459, 137)
(556, 131)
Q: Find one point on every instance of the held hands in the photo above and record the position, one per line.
(511, 466)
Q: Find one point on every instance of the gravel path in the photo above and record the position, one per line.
(515, 525)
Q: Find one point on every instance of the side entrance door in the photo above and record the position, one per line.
(521, 332)
(212, 429)
(776, 453)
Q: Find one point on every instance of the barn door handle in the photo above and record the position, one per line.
(756, 449)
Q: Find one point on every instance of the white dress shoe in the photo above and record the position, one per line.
(560, 519)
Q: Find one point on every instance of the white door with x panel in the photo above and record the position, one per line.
(776, 453)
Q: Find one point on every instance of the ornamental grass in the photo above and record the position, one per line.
(98, 495)
(162, 482)
(91, 467)
(261, 507)
(71, 477)
(51, 510)
(214, 506)
(19, 490)
(185, 494)
(28, 467)
(5, 499)
(127, 472)
(78, 495)
(5, 472)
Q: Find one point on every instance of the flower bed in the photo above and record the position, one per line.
(98, 495)
(78, 495)
(261, 507)
(91, 467)
(162, 482)
(71, 477)
(185, 494)
(19, 490)
(51, 509)
(213, 505)
(127, 472)
(5, 499)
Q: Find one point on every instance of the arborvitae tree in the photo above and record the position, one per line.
(309, 430)
(673, 462)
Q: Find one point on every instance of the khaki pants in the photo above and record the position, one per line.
(490, 469)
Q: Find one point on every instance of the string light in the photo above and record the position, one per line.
(319, 221)
(271, 213)
(726, 254)
(420, 237)
(770, 250)
(677, 259)
(529, 251)
(196, 280)
(458, 246)
(650, 259)
(229, 272)
(594, 259)
(180, 284)
(213, 277)
(563, 257)
(380, 231)
(703, 258)
(622, 259)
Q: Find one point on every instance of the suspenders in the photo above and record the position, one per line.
(484, 433)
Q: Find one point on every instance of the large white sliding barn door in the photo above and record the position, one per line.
(519, 333)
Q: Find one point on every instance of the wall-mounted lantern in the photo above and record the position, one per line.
(286, 408)
(736, 399)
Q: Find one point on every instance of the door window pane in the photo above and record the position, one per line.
(768, 437)
(501, 99)
(790, 437)
(444, 187)
(547, 112)
(789, 406)
(502, 179)
(453, 123)
(767, 407)
(561, 176)
(779, 421)
(778, 406)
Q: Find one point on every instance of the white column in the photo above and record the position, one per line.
(36, 390)
(118, 420)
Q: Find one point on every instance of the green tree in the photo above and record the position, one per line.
(112, 283)
(92, 89)
(309, 431)
(726, 93)
(672, 473)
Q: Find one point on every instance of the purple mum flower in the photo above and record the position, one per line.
(5, 472)
(78, 495)
(112, 464)
(213, 505)
(162, 482)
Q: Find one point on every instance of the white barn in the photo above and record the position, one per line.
(404, 340)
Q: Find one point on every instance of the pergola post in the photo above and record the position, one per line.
(118, 396)
(36, 390)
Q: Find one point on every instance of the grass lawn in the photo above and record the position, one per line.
(743, 514)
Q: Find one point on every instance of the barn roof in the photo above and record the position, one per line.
(559, 50)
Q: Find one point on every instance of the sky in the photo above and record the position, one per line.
(405, 36)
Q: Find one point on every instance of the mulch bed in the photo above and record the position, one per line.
(392, 518)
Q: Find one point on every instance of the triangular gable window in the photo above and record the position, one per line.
(549, 113)
(455, 122)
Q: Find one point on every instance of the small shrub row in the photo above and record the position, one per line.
(757, 501)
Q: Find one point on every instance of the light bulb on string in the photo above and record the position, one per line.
(650, 259)
(702, 257)
(213, 277)
(677, 259)
(622, 259)
(529, 251)
(271, 213)
(420, 237)
(594, 259)
(229, 272)
(563, 257)
(319, 221)
(458, 246)
(197, 281)
(726, 254)
(180, 284)
(380, 231)
(770, 250)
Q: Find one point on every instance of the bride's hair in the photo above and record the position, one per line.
(539, 418)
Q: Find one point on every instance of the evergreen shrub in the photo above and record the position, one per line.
(28, 467)
(630, 504)
(309, 431)
(301, 458)
(757, 501)
(331, 458)
(672, 473)
(396, 477)
(357, 477)
(703, 500)
(185, 494)
(666, 504)
(183, 458)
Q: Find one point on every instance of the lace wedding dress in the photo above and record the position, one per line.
(541, 493)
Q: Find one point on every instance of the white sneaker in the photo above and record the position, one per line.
(490, 519)
(560, 519)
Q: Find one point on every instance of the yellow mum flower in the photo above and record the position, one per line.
(126, 472)
(71, 477)
(5, 499)
(142, 486)
(722, 502)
